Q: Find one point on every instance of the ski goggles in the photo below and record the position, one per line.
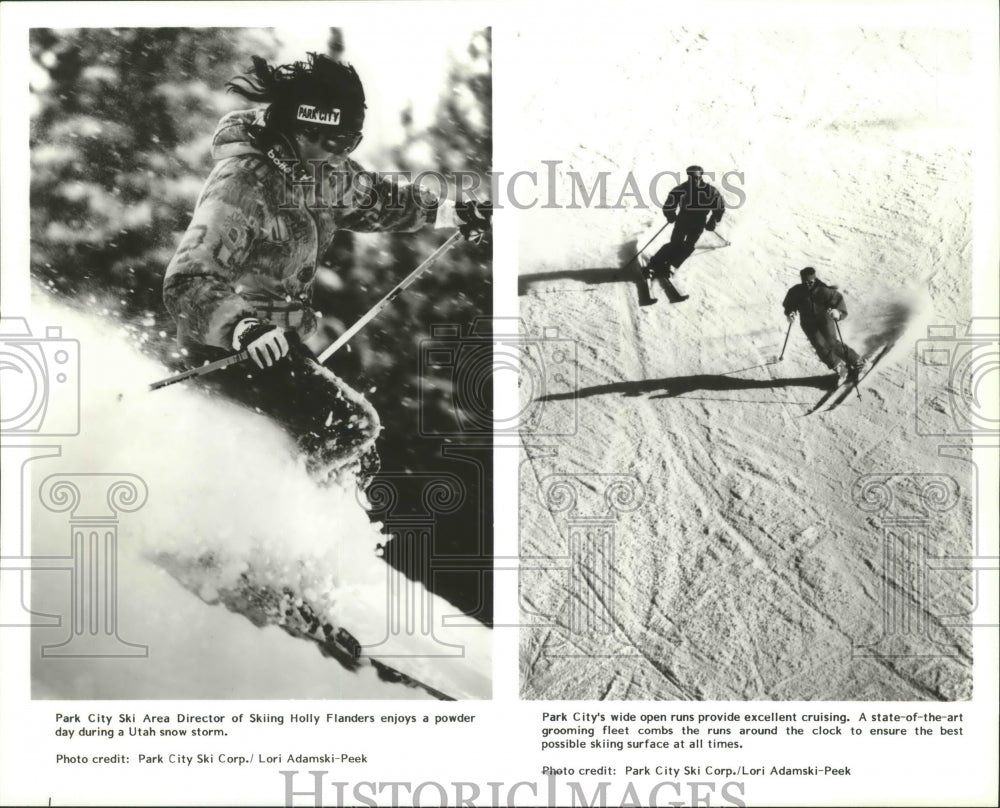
(336, 143)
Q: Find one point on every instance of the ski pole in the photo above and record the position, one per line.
(787, 335)
(242, 356)
(657, 233)
(844, 347)
(385, 301)
(201, 371)
(725, 242)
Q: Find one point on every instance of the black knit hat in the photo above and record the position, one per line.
(321, 92)
(808, 272)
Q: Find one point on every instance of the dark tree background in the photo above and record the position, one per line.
(120, 138)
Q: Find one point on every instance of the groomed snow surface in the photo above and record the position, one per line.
(704, 537)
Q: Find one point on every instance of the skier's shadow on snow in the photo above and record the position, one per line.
(589, 275)
(679, 385)
(627, 271)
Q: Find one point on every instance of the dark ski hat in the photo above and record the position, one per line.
(319, 94)
(693, 169)
(807, 273)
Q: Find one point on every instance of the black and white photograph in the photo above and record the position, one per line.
(258, 249)
(751, 248)
(473, 403)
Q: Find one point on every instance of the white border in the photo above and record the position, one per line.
(503, 743)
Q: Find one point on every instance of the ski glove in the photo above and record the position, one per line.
(670, 214)
(710, 225)
(265, 342)
(475, 220)
(835, 314)
(791, 316)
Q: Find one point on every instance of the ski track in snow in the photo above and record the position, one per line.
(748, 572)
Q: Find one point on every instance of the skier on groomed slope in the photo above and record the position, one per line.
(282, 186)
(693, 207)
(818, 308)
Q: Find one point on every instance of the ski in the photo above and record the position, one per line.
(645, 276)
(647, 286)
(852, 384)
(674, 291)
(667, 276)
(265, 605)
(834, 387)
(840, 391)
(645, 283)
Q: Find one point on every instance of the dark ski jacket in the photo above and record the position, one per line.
(259, 230)
(813, 304)
(691, 203)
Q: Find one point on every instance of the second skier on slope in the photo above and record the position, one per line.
(818, 308)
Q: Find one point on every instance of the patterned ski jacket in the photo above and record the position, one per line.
(260, 228)
(813, 304)
(690, 203)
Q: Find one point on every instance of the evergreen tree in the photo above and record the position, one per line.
(120, 143)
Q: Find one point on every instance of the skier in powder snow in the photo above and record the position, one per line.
(818, 307)
(282, 186)
(692, 207)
